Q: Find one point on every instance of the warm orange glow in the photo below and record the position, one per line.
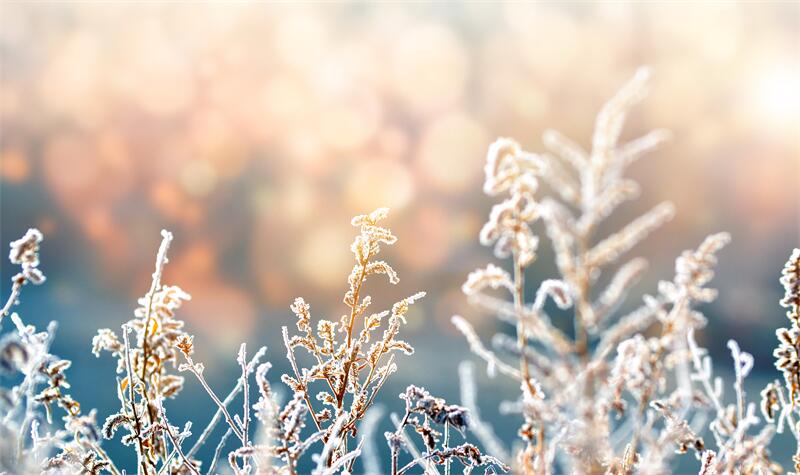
(14, 166)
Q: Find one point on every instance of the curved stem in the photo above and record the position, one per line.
(111, 467)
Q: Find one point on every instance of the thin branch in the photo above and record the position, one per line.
(191, 366)
(218, 451)
(479, 427)
(16, 290)
(477, 347)
(218, 415)
(132, 401)
(300, 380)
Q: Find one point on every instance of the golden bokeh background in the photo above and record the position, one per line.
(254, 132)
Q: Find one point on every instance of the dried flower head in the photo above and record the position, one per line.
(186, 345)
(24, 253)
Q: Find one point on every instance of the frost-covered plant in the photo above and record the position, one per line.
(348, 363)
(740, 448)
(614, 394)
(775, 404)
(423, 413)
(350, 367)
(39, 417)
(146, 365)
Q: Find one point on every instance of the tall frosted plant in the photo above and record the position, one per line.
(612, 395)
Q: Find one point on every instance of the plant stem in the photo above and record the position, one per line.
(522, 335)
(246, 403)
(218, 450)
(111, 467)
(12, 299)
(137, 424)
(177, 445)
(446, 445)
(300, 380)
(351, 324)
(214, 420)
(216, 400)
(584, 305)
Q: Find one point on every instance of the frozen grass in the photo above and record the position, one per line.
(620, 394)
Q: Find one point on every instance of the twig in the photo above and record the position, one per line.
(218, 450)
(192, 367)
(480, 350)
(218, 415)
(161, 260)
(175, 442)
(137, 423)
(245, 390)
(16, 290)
(331, 445)
(480, 428)
(300, 380)
(111, 466)
(351, 323)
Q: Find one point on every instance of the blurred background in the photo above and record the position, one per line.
(255, 131)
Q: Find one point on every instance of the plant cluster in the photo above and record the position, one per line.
(433, 410)
(613, 393)
(336, 379)
(617, 392)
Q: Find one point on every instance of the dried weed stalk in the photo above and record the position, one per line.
(351, 365)
(148, 369)
(614, 394)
